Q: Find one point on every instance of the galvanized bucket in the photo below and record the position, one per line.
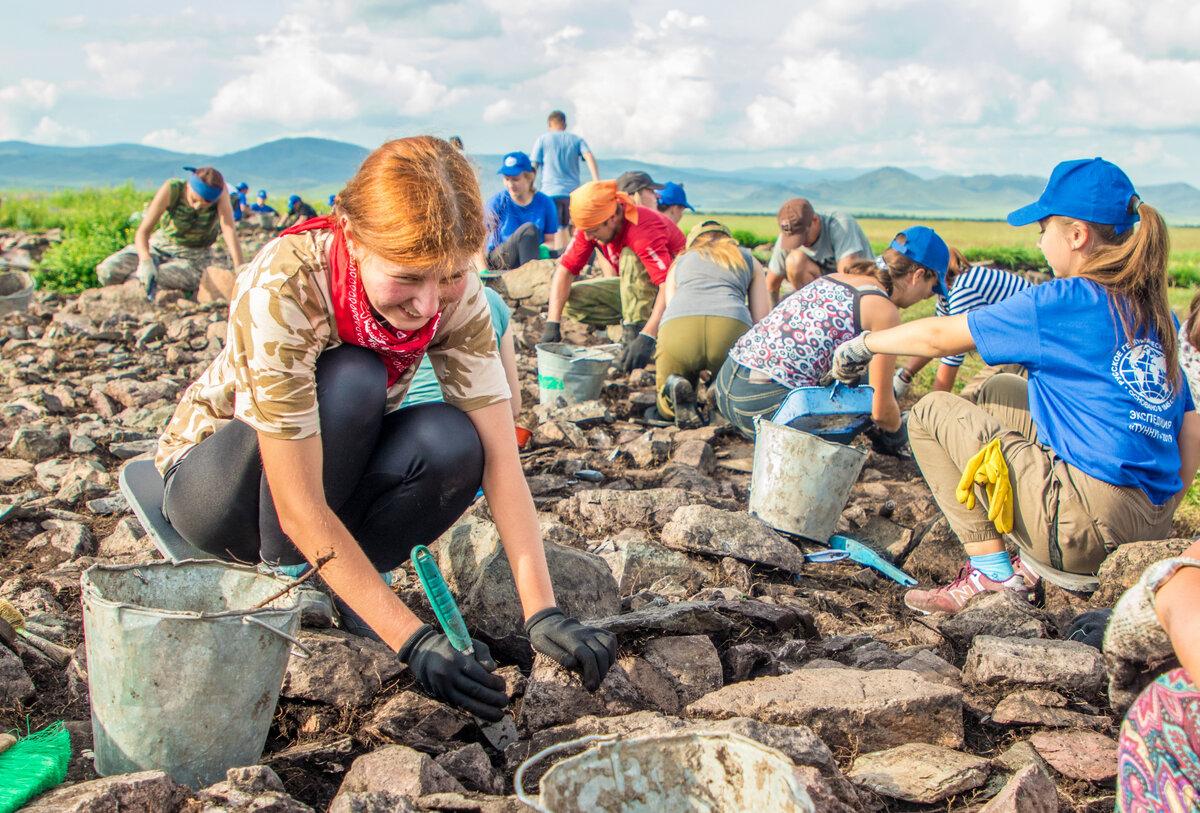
(696, 772)
(800, 483)
(572, 374)
(16, 289)
(183, 678)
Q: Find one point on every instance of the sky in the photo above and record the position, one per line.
(958, 86)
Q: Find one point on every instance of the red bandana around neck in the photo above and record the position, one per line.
(352, 313)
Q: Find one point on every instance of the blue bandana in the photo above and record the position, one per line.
(209, 193)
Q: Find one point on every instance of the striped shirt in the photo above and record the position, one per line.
(978, 287)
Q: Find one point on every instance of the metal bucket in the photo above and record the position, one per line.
(698, 772)
(572, 374)
(16, 289)
(800, 483)
(182, 677)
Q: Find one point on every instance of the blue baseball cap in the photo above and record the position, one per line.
(332, 198)
(243, 186)
(922, 245)
(514, 164)
(1093, 189)
(293, 200)
(672, 194)
(262, 193)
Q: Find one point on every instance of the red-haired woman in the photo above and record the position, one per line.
(173, 244)
(291, 446)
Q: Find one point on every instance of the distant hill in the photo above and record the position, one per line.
(315, 168)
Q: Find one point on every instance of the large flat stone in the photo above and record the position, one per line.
(870, 710)
(636, 563)
(1027, 791)
(554, 696)
(604, 511)
(1004, 614)
(1124, 566)
(399, 770)
(918, 772)
(345, 670)
(1084, 755)
(714, 532)
(146, 790)
(1045, 708)
(675, 618)
(690, 663)
(1066, 665)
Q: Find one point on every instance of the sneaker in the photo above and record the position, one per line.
(954, 596)
(1032, 580)
(679, 392)
(316, 608)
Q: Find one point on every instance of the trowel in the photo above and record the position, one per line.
(501, 734)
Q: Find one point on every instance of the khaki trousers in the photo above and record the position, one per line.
(627, 299)
(1061, 516)
(689, 344)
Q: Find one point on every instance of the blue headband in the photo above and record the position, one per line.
(209, 193)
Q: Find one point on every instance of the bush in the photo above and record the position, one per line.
(749, 239)
(1014, 258)
(94, 222)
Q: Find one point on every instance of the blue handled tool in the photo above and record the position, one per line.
(503, 733)
(858, 552)
(820, 557)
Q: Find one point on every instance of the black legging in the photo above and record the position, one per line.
(522, 246)
(396, 481)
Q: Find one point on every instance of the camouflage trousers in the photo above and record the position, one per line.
(626, 299)
(179, 267)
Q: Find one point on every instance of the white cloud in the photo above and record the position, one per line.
(49, 131)
(130, 69)
(22, 106)
(500, 110)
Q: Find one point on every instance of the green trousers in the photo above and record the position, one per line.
(625, 299)
(690, 344)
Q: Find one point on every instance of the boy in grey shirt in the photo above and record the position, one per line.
(812, 245)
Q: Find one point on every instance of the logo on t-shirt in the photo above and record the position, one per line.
(1141, 368)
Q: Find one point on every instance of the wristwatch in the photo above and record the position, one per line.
(904, 375)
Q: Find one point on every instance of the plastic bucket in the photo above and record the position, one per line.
(16, 289)
(182, 678)
(698, 772)
(572, 374)
(800, 483)
(837, 412)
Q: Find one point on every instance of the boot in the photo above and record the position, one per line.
(678, 390)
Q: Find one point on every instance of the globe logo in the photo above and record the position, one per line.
(1142, 370)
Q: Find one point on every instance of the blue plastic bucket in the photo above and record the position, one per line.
(836, 413)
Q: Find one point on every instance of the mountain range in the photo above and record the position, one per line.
(316, 168)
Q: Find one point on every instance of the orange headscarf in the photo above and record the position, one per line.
(596, 201)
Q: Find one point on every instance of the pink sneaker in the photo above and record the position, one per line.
(954, 596)
(1031, 579)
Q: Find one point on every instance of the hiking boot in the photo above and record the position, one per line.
(1032, 580)
(678, 390)
(954, 596)
(316, 608)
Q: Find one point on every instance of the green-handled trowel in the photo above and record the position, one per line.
(503, 733)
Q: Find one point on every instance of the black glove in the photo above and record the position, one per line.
(637, 354)
(462, 680)
(889, 443)
(586, 650)
(630, 332)
(1088, 628)
(552, 332)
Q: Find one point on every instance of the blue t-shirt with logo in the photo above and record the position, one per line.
(505, 216)
(559, 153)
(1103, 406)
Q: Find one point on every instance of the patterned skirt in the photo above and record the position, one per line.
(1158, 767)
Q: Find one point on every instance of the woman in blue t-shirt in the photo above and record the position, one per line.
(1096, 450)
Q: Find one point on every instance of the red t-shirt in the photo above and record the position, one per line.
(654, 238)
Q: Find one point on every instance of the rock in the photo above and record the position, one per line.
(933, 668)
(80, 444)
(1027, 791)
(1124, 566)
(690, 664)
(419, 722)
(38, 442)
(476, 569)
(918, 772)
(711, 531)
(15, 686)
(13, 470)
(696, 454)
(937, 556)
(894, 541)
(1021, 754)
(530, 283)
(129, 392)
(870, 710)
(146, 790)
(378, 801)
(399, 770)
(1084, 755)
(133, 448)
(324, 757)
(344, 671)
(584, 414)
(1068, 665)
(62, 541)
(1045, 708)
(554, 696)
(636, 563)
(604, 511)
(1004, 614)
(127, 539)
(252, 789)
(742, 661)
(471, 767)
(771, 617)
(112, 504)
(650, 449)
(677, 618)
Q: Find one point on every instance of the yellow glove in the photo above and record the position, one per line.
(988, 468)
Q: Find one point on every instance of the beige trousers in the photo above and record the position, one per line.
(1061, 516)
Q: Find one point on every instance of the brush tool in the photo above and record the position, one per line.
(59, 654)
(32, 765)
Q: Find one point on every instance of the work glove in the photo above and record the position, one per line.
(1088, 628)
(630, 332)
(850, 360)
(586, 650)
(637, 354)
(988, 469)
(889, 443)
(147, 275)
(901, 381)
(551, 333)
(462, 680)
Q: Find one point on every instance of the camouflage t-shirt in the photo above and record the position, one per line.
(281, 319)
(185, 226)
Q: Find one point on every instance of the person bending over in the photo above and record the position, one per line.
(811, 245)
(672, 200)
(298, 212)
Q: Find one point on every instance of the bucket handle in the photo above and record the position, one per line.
(303, 651)
(545, 752)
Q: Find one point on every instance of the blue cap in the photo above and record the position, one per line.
(922, 245)
(672, 194)
(293, 200)
(1094, 190)
(514, 164)
(332, 198)
(262, 193)
(243, 186)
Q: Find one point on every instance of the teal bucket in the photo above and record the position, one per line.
(571, 374)
(182, 676)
